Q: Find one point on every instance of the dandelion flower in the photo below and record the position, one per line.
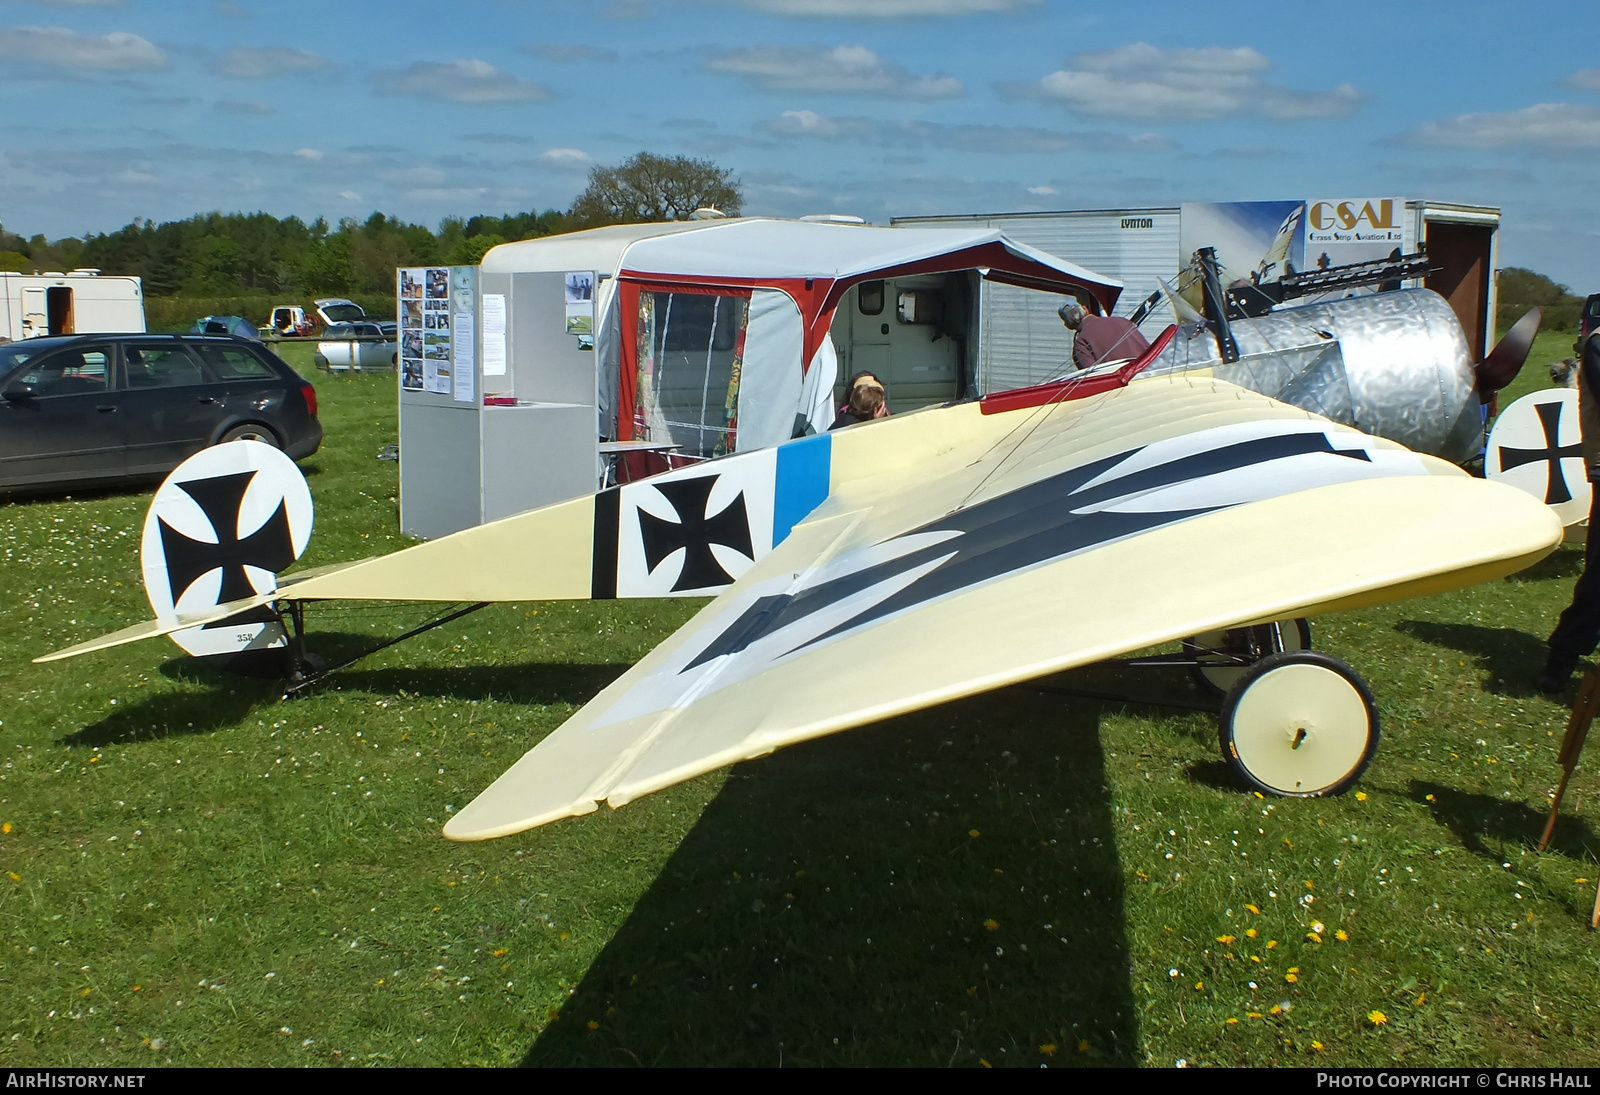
(500, 952)
(1232, 1021)
(972, 832)
(992, 925)
(1377, 1018)
(1275, 1009)
(593, 1024)
(1048, 1049)
(1083, 1046)
(1199, 986)
(1342, 936)
(15, 877)
(1252, 1015)
(1422, 998)
(1253, 909)
(1317, 1046)
(1250, 933)
(1361, 796)
(6, 828)
(1313, 937)
(1291, 978)
(984, 1063)
(1271, 943)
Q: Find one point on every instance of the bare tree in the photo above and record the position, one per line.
(654, 188)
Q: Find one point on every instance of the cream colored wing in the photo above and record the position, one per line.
(1086, 531)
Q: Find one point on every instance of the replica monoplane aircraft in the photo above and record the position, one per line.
(903, 563)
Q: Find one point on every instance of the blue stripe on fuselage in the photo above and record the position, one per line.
(802, 482)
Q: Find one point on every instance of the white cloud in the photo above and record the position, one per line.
(260, 62)
(459, 82)
(312, 154)
(880, 9)
(1144, 81)
(986, 139)
(808, 123)
(566, 157)
(350, 195)
(566, 52)
(1585, 79)
(229, 106)
(1042, 191)
(843, 69)
(118, 51)
(1556, 127)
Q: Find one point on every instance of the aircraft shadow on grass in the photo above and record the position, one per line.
(1478, 819)
(1558, 564)
(228, 698)
(1512, 658)
(830, 907)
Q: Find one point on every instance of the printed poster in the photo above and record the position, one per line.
(494, 334)
(1340, 231)
(461, 317)
(1256, 242)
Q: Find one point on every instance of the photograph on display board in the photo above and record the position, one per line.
(411, 284)
(411, 313)
(438, 284)
(437, 321)
(580, 319)
(411, 373)
(411, 343)
(440, 305)
(579, 286)
(436, 347)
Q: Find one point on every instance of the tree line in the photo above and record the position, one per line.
(1521, 289)
(248, 254)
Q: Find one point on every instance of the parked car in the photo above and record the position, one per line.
(333, 310)
(120, 408)
(359, 345)
(290, 320)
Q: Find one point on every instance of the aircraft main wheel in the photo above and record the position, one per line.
(1299, 723)
(1218, 679)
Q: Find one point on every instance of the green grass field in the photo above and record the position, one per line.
(194, 872)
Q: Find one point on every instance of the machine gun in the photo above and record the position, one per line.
(1385, 273)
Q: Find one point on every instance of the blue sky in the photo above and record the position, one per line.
(123, 108)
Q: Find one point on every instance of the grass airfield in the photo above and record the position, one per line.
(193, 872)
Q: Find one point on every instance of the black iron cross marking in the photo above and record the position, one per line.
(1555, 489)
(269, 547)
(695, 531)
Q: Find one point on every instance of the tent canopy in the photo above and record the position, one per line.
(708, 332)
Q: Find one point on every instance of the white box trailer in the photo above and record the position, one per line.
(1023, 342)
(79, 302)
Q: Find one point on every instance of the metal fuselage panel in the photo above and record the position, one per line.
(1406, 367)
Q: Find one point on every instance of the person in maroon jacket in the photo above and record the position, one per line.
(1100, 338)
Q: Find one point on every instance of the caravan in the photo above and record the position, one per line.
(76, 303)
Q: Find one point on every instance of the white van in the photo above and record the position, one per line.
(80, 302)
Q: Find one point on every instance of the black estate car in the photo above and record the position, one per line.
(107, 409)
